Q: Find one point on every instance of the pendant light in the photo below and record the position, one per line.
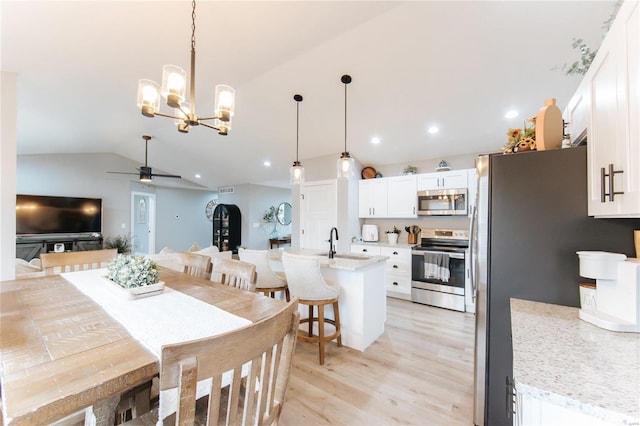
(346, 164)
(296, 172)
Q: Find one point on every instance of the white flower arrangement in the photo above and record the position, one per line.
(130, 271)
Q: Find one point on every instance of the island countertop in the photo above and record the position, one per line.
(560, 359)
(341, 261)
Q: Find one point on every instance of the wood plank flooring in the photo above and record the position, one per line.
(420, 372)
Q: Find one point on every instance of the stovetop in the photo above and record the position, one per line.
(443, 237)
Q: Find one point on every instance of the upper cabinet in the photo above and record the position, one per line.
(393, 197)
(372, 198)
(442, 180)
(402, 196)
(608, 101)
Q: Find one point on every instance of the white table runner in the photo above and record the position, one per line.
(170, 317)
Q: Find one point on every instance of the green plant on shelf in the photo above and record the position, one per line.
(120, 242)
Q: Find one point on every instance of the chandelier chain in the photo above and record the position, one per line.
(193, 24)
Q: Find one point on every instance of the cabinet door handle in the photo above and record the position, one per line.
(395, 266)
(395, 283)
(364, 250)
(612, 173)
(414, 209)
(395, 252)
(603, 196)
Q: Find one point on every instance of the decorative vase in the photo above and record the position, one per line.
(393, 238)
(274, 233)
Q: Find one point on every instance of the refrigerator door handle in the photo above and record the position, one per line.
(472, 243)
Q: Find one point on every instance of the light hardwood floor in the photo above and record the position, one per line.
(420, 371)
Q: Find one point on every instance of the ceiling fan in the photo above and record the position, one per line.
(145, 172)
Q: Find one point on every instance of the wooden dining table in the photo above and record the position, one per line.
(61, 352)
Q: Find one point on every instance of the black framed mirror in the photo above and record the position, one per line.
(284, 214)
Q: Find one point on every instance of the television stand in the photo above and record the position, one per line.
(31, 246)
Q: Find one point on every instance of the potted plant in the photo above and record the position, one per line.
(410, 170)
(392, 235)
(138, 275)
(120, 242)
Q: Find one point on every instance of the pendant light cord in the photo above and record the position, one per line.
(345, 117)
(193, 24)
(297, 127)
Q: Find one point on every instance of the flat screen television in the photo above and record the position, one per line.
(41, 214)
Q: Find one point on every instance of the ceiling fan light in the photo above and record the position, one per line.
(174, 85)
(225, 102)
(148, 97)
(346, 166)
(145, 174)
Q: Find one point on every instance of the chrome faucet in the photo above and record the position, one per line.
(331, 249)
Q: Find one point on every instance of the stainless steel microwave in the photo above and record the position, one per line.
(443, 202)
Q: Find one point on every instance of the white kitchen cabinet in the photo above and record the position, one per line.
(531, 411)
(398, 267)
(577, 114)
(372, 198)
(398, 271)
(613, 82)
(442, 180)
(402, 196)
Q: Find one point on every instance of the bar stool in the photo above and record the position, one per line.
(268, 282)
(307, 284)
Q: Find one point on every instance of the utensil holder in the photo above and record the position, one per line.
(412, 238)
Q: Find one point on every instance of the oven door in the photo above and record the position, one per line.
(445, 202)
(431, 285)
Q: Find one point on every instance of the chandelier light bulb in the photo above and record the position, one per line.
(148, 97)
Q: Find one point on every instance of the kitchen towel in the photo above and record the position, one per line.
(436, 266)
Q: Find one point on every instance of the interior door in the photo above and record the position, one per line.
(143, 219)
(319, 213)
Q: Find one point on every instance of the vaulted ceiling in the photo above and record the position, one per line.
(459, 65)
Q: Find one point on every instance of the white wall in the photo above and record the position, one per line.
(8, 115)
(253, 201)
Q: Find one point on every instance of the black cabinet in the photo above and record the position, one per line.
(227, 227)
(30, 247)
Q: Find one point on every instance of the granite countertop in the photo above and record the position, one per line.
(342, 261)
(560, 359)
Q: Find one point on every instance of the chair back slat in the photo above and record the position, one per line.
(197, 265)
(56, 263)
(257, 392)
(235, 273)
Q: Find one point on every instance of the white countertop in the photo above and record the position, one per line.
(384, 244)
(563, 360)
(342, 261)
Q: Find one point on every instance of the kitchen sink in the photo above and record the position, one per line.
(344, 256)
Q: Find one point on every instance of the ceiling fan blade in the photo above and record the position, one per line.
(122, 173)
(167, 176)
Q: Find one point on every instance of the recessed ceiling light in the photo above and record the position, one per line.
(375, 140)
(433, 130)
(267, 163)
(511, 114)
(198, 176)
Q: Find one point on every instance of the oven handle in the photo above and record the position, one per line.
(450, 254)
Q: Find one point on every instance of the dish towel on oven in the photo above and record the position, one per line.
(436, 266)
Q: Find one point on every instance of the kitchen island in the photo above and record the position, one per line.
(570, 372)
(362, 299)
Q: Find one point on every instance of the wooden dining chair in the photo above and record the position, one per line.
(235, 273)
(255, 394)
(197, 265)
(56, 263)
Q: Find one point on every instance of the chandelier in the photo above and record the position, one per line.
(346, 164)
(296, 172)
(173, 90)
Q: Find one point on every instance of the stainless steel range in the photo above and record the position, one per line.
(438, 268)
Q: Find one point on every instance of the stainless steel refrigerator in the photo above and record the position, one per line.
(529, 220)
